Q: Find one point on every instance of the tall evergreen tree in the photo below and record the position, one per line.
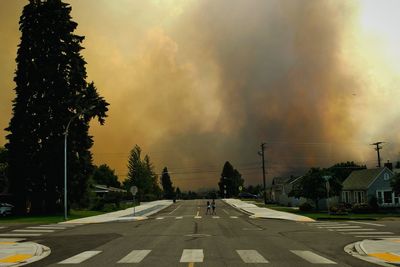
(104, 175)
(51, 89)
(230, 181)
(167, 184)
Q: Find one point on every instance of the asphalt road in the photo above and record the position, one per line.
(182, 235)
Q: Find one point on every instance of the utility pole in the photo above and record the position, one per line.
(378, 147)
(263, 168)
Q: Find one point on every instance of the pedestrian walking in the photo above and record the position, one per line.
(208, 207)
(213, 207)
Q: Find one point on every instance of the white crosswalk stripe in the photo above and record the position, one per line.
(46, 227)
(81, 257)
(233, 217)
(33, 231)
(349, 230)
(251, 256)
(159, 218)
(179, 217)
(312, 257)
(135, 256)
(366, 223)
(368, 233)
(340, 227)
(192, 255)
(20, 234)
(215, 217)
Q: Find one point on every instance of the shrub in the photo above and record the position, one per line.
(306, 207)
(362, 208)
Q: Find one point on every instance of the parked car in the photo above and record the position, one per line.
(247, 195)
(5, 209)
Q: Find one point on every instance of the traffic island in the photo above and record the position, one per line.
(14, 253)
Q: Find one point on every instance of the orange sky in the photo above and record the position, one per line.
(196, 83)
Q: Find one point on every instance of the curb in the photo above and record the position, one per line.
(40, 252)
(354, 250)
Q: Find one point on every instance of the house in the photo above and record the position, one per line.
(102, 190)
(281, 188)
(362, 185)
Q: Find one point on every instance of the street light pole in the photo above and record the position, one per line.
(263, 168)
(65, 159)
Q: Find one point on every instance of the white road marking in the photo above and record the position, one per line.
(312, 257)
(368, 233)
(2, 227)
(331, 224)
(343, 227)
(33, 231)
(23, 235)
(251, 256)
(192, 255)
(373, 224)
(179, 217)
(197, 217)
(225, 211)
(135, 256)
(361, 229)
(175, 209)
(377, 236)
(12, 239)
(47, 227)
(233, 217)
(81, 257)
(159, 218)
(215, 217)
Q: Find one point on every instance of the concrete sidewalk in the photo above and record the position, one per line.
(384, 252)
(141, 213)
(14, 253)
(257, 212)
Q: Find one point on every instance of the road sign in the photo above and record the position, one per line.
(133, 190)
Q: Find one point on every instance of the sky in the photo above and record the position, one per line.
(196, 83)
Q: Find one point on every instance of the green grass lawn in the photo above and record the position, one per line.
(74, 214)
(324, 215)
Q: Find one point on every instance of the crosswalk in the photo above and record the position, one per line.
(198, 256)
(354, 228)
(35, 231)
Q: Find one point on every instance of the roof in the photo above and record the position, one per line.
(280, 180)
(361, 179)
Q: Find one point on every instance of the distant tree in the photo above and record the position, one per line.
(153, 187)
(313, 186)
(104, 175)
(230, 181)
(167, 184)
(397, 166)
(51, 88)
(395, 183)
(178, 192)
(342, 170)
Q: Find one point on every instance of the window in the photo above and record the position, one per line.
(346, 196)
(386, 176)
(387, 197)
(359, 197)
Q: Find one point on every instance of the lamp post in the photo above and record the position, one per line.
(65, 157)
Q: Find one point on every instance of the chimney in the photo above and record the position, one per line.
(389, 165)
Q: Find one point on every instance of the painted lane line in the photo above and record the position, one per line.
(251, 256)
(233, 217)
(81, 257)
(197, 215)
(377, 236)
(312, 257)
(135, 256)
(33, 231)
(225, 211)
(349, 230)
(47, 227)
(368, 233)
(192, 255)
(373, 224)
(342, 227)
(175, 209)
(22, 235)
(215, 217)
(179, 217)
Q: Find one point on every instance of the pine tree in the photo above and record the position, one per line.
(167, 184)
(51, 89)
(230, 181)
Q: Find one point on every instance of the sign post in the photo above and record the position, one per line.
(327, 177)
(134, 191)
